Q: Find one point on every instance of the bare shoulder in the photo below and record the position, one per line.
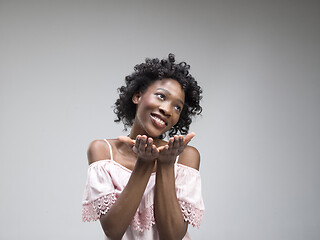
(98, 150)
(190, 157)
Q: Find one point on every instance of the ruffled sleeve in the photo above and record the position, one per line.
(99, 193)
(188, 187)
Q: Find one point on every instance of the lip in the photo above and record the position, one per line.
(154, 118)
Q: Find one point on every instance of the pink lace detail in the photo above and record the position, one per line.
(143, 220)
(191, 214)
(93, 210)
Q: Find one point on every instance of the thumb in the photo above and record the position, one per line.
(127, 140)
(161, 148)
(188, 138)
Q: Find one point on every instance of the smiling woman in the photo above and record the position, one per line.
(151, 71)
(161, 103)
(140, 186)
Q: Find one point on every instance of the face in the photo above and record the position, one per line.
(158, 108)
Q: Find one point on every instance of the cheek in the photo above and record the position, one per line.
(180, 115)
(148, 102)
(177, 120)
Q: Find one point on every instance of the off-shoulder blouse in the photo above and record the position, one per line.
(106, 179)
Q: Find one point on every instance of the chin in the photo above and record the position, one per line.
(156, 134)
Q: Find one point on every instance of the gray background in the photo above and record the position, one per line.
(259, 136)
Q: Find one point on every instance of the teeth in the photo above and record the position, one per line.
(159, 120)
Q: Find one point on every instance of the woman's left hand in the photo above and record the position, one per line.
(175, 146)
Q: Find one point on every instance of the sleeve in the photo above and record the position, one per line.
(99, 194)
(188, 188)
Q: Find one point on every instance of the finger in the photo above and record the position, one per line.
(154, 150)
(161, 148)
(149, 145)
(181, 146)
(126, 139)
(171, 142)
(188, 138)
(176, 142)
(142, 145)
(165, 148)
(137, 144)
(138, 139)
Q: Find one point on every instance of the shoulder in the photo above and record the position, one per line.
(190, 157)
(98, 150)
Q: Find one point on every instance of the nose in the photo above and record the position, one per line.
(165, 110)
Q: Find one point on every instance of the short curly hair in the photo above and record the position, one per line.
(144, 75)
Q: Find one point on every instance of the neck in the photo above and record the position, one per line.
(133, 135)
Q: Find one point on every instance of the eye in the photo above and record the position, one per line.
(178, 108)
(161, 96)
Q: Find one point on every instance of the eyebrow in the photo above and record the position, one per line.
(169, 93)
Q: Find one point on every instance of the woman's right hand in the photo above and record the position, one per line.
(143, 147)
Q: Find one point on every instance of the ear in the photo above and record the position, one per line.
(136, 97)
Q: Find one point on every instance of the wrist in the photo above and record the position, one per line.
(166, 161)
(165, 174)
(165, 165)
(146, 165)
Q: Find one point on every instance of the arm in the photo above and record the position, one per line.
(168, 215)
(116, 221)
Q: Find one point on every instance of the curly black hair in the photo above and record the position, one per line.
(145, 74)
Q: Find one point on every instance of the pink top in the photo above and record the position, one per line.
(106, 180)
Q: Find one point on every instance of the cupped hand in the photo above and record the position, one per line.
(175, 146)
(142, 146)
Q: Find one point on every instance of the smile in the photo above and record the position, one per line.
(158, 121)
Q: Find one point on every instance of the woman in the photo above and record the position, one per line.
(140, 186)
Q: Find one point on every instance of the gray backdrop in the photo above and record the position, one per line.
(259, 136)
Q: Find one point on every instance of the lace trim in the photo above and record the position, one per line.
(191, 214)
(143, 220)
(93, 210)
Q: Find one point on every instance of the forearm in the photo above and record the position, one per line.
(116, 221)
(168, 215)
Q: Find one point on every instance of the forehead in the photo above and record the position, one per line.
(168, 84)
